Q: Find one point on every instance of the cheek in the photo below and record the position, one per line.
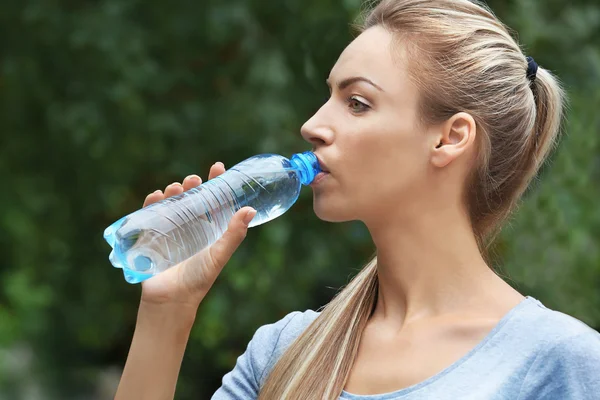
(387, 165)
(378, 165)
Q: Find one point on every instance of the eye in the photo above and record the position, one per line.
(357, 106)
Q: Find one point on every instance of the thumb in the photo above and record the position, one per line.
(222, 250)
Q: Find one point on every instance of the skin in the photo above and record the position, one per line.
(437, 297)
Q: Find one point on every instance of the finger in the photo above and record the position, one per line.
(222, 250)
(173, 189)
(191, 181)
(153, 198)
(216, 169)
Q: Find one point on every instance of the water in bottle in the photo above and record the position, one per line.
(154, 238)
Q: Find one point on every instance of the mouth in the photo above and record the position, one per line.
(320, 177)
(322, 165)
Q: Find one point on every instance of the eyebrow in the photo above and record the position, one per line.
(349, 81)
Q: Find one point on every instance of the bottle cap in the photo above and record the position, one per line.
(307, 165)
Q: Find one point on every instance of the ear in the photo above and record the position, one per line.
(453, 139)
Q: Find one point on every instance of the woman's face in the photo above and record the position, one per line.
(367, 134)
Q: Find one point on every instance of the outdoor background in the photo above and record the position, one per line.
(102, 102)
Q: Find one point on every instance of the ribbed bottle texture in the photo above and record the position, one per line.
(168, 232)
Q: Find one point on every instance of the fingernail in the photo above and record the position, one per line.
(157, 191)
(193, 178)
(220, 163)
(249, 216)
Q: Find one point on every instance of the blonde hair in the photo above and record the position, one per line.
(462, 58)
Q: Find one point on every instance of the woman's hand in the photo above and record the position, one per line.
(186, 283)
(169, 304)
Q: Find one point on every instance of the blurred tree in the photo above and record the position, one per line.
(105, 101)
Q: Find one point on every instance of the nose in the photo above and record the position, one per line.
(318, 130)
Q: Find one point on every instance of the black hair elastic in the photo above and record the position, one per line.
(532, 68)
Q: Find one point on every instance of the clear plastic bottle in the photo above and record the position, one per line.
(154, 238)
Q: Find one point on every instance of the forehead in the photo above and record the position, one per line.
(376, 56)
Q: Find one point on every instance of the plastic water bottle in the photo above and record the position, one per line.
(154, 238)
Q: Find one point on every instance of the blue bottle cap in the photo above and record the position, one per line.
(307, 165)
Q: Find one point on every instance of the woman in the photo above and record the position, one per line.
(435, 102)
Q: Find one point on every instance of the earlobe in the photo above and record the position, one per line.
(454, 138)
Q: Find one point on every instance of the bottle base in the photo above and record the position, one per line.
(134, 277)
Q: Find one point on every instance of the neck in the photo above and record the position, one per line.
(429, 264)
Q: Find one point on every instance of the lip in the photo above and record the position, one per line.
(319, 178)
(322, 165)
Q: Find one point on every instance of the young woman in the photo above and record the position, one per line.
(437, 118)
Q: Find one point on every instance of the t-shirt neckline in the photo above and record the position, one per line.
(402, 392)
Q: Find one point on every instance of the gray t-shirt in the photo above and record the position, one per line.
(532, 353)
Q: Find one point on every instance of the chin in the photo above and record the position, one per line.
(330, 211)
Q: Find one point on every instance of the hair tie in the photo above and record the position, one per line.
(532, 68)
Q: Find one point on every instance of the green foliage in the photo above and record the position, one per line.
(103, 102)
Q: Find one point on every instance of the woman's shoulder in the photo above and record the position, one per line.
(539, 331)
(552, 327)
(285, 330)
(263, 351)
(565, 362)
(271, 340)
